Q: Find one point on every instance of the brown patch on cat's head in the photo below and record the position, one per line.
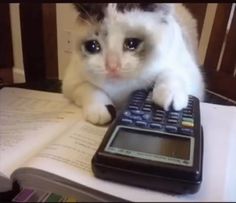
(96, 11)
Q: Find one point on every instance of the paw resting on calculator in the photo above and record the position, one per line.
(165, 96)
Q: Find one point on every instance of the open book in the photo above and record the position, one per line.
(46, 144)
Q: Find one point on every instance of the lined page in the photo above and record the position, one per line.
(29, 120)
(75, 148)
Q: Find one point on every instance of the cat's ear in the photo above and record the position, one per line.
(90, 11)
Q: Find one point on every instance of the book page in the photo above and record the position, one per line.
(29, 120)
(75, 148)
(70, 158)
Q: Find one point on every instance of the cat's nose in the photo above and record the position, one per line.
(112, 68)
(112, 64)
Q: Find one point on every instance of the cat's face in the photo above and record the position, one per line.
(117, 40)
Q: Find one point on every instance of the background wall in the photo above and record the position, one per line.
(66, 16)
(18, 69)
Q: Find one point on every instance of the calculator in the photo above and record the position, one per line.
(149, 147)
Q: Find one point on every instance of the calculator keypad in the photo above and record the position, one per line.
(143, 113)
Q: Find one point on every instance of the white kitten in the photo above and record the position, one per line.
(123, 47)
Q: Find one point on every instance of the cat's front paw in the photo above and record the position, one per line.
(96, 113)
(164, 96)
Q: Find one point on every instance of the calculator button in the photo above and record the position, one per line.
(187, 111)
(160, 112)
(187, 119)
(146, 109)
(133, 107)
(190, 106)
(137, 118)
(173, 113)
(126, 121)
(191, 98)
(139, 97)
(141, 123)
(187, 124)
(146, 116)
(136, 100)
(140, 94)
(135, 104)
(127, 113)
(157, 118)
(156, 125)
(187, 115)
(173, 121)
(191, 103)
(147, 105)
(173, 117)
(187, 131)
(137, 112)
(171, 128)
(159, 115)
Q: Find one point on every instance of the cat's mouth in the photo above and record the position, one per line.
(113, 75)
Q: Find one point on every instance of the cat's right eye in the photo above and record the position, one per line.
(131, 44)
(92, 46)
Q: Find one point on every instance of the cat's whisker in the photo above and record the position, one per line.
(86, 21)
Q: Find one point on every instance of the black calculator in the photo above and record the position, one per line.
(149, 147)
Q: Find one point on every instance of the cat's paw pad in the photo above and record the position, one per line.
(97, 114)
(164, 96)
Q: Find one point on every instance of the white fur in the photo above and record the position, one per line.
(171, 63)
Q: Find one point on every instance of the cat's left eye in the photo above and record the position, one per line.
(92, 46)
(131, 44)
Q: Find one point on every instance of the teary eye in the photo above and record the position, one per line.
(131, 44)
(92, 46)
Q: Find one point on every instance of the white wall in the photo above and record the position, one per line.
(66, 17)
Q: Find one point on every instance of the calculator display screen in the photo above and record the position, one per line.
(152, 143)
